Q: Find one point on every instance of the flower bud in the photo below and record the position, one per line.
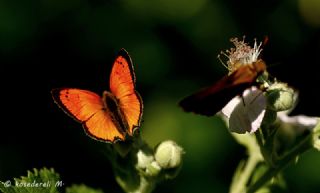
(168, 155)
(153, 169)
(280, 97)
(143, 159)
(316, 136)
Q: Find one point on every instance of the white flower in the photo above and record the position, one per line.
(245, 114)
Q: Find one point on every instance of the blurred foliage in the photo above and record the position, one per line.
(173, 44)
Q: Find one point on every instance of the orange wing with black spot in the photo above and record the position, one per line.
(98, 120)
(87, 108)
(122, 85)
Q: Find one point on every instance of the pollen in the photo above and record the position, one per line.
(242, 54)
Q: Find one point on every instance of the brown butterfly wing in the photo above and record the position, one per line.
(87, 108)
(122, 86)
(209, 101)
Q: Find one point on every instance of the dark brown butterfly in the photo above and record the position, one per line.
(210, 100)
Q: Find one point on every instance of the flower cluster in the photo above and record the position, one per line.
(279, 138)
(138, 168)
(246, 113)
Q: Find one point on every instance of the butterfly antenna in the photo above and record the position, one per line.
(265, 40)
(255, 98)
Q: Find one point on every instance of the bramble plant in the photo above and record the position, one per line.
(257, 117)
(278, 139)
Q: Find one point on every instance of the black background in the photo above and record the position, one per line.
(59, 52)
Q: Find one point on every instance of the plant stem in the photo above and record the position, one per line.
(240, 184)
(146, 186)
(259, 138)
(303, 146)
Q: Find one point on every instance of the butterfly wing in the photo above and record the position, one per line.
(210, 100)
(122, 85)
(87, 108)
(101, 127)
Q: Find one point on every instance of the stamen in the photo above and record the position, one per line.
(242, 54)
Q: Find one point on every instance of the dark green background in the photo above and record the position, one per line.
(174, 46)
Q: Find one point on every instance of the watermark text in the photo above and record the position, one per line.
(33, 184)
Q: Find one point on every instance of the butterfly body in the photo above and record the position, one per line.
(114, 116)
(118, 118)
(210, 100)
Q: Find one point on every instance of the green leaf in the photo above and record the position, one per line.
(38, 181)
(82, 189)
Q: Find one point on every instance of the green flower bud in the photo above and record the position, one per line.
(143, 159)
(168, 155)
(280, 97)
(316, 136)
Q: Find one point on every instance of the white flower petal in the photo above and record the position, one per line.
(229, 108)
(299, 122)
(246, 114)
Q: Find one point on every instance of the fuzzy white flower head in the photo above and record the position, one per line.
(245, 114)
(242, 54)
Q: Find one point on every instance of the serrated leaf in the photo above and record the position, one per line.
(82, 189)
(38, 181)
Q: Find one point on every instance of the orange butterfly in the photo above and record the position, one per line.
(114, 116)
